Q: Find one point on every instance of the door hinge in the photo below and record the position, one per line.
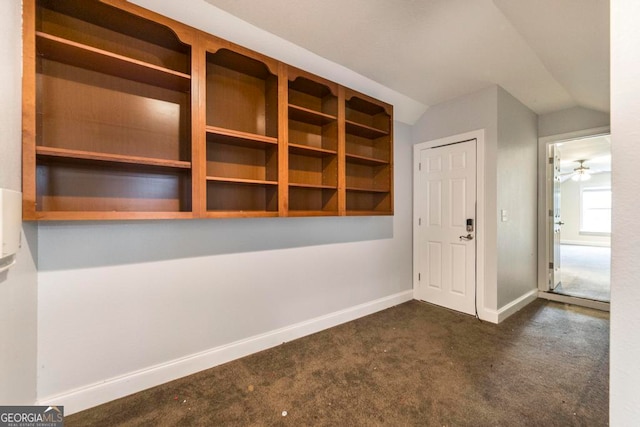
(419, 166)
(418, 277)
(550, 266)
(419, 221)
(550, 160)
(551, 212)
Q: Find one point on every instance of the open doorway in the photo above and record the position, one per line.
(577, 225)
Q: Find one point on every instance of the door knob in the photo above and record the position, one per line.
(467, 237)
(559, 223)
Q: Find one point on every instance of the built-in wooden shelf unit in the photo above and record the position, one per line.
(131, 115)
(368, 155)
(312, 146)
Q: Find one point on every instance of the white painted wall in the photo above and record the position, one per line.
(510, 183)
(132, 296)
(127, 305)
(468, 113)
(625, 268)
(570, 210)
(206, 17)
(517, 166)
(18, 290)
(571, 120)
(472, 112)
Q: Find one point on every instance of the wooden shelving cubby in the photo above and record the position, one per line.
(242, 94)
(312, 145)
(247, 164)
(128, 114)
(368, 156)
(242, 135)
(112, 114)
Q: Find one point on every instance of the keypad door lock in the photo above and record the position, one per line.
(470, 225)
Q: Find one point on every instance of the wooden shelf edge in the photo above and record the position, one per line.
(63, 153)
(360, 129)
(355, 158)
(369, 213)
(299, 113)
(103, 215)
(241, 214)
(308, 150)
(240, 180)
(367, 190)
(301, 213)
(214, 130)
(313, 186)
(102, 61)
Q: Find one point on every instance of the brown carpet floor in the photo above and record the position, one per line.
(414, 364)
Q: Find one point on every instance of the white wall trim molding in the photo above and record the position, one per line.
(517, 304)
(579, 134)
(490, 316)
(543, 208)
(497, 316)
(95, 394)
(585, 243)
(582, 302)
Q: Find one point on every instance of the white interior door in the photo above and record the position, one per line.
(445, 205)
(555, 218)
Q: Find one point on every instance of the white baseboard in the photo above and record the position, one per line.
(497, 316)
(585, 243)
(517, 304)
(583, 302)
(113, 388)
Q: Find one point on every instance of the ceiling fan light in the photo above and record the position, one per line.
(581, 176)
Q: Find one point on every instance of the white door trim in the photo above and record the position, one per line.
(543, 224)
(479, 136)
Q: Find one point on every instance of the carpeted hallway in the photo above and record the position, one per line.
(585, 272)
(414, 364)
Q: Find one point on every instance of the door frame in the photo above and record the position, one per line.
(479, 136)
(544, 257)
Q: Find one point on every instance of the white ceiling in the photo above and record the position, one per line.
(550, 54)
(596, 151)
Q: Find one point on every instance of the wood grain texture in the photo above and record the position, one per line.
(76, 187)
(242, 196)
(283, 141)
(368, 144)
(85, 110)
(198, 127)
(160, 120)
(29, 110)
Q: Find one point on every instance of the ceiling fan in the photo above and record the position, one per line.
(580, 173)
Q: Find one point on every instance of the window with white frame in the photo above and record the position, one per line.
(595, 212)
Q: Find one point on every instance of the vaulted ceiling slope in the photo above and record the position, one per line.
(550, 54)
